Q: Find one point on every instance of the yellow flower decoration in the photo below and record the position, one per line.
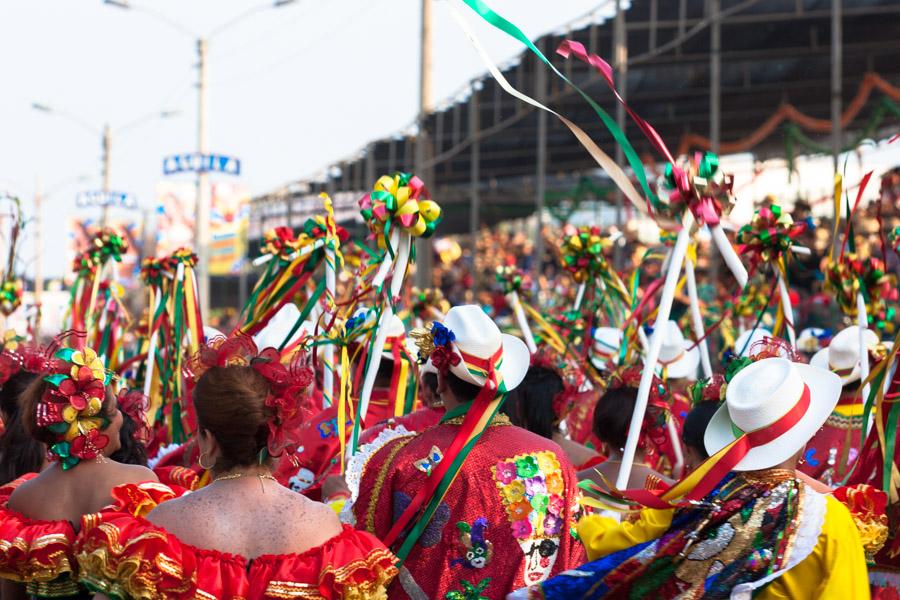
(514, 492)
(88, 358)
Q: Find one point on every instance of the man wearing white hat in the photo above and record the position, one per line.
(497, 500)
(832, 451)
(746, 525)
(678, 357)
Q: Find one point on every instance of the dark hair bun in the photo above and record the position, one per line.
(231, 404)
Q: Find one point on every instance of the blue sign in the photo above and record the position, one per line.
(196, 163)
(101, 198)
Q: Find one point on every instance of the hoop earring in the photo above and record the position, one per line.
(202, 466)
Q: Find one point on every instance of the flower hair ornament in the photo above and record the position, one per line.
(436, 344)
(20, 358)
(288, 385)
(72, 405)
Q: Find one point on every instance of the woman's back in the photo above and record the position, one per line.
(58, 495)
(249, 516)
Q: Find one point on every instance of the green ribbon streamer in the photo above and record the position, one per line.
(304, 313)
(890, 440)
(485, 12)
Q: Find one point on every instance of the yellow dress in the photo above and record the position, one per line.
(836, 568)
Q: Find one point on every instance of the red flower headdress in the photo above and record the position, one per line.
(288, 384)
(135, 404)
(72, 405)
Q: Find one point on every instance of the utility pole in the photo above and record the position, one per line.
(105, 144)
(39, 256)
(836, 81)
(202, 209)
(424, 258)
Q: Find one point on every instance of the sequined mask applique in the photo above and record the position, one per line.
(532, 491)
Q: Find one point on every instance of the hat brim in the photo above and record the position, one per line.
(686, 366)
(820, 360)
(516, 360)
(825, 391)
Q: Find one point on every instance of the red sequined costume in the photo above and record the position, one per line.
(129, 557)
(319, 446)
(506, 521)
(833, 450)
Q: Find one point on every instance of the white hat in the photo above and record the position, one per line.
(477, 336)
(810, 339)
(211, 333)
(842, 354)
(761, 394)
(395, 329)
(279, 326)
(748, 337)
(604, 352)
(676, 354)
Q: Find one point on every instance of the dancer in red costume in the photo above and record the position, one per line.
(506, 519)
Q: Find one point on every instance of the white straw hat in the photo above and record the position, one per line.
(605, 350)
(842, 354)
(748, 337)
(279, 326)
(761, 394)
(677, 355)
(478, 337)
(810, 339)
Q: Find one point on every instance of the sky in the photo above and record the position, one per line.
(292, 89)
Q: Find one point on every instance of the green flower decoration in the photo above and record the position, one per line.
(527, 467)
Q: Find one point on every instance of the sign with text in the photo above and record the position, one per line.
(195, 163)
(101, 198)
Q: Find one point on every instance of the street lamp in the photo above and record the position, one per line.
(105, 137)
(202, 209)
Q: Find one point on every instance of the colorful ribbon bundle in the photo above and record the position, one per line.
(400, 200)
(511, 279)
(583, 252)
(428, 303)
(11, 287)
(893, 238)
(851, 275)
(770, 236)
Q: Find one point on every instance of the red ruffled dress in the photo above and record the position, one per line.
(128, 557)
(41, 554)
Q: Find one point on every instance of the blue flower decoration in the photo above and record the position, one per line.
(441, 335)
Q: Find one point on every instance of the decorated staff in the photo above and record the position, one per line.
(769, 239)
(333, 261)
(291, 260)
(398, 208)
(583, 254)
(11, 286)
(697, 192)
(511, 279)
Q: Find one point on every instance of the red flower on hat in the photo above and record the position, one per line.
(81, 389)
(443, 358)
(89, 445)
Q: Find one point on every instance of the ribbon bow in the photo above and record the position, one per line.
(10, 296)
(699, 186)
(184, 256)
(110, 244)
(400, 200)
(280, 242)
(511, 279)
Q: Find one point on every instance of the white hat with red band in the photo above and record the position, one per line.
(478, 341)
(763, 393)
(679, 356)
(842, 354)
(605, 349)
